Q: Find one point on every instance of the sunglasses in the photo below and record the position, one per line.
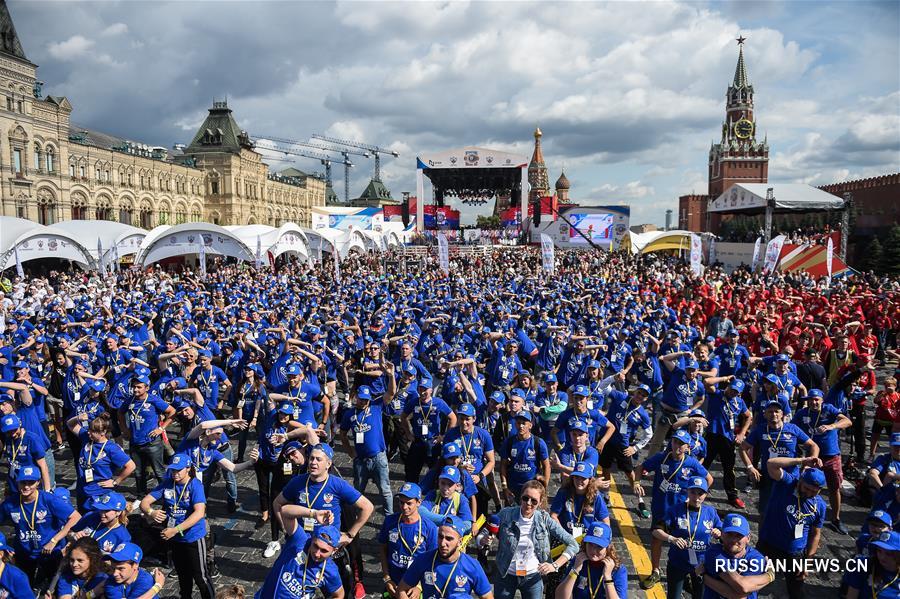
(530, 500)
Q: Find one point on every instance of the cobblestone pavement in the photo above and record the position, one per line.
(239, 545)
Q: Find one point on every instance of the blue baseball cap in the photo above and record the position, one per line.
(4, 546)
(550, 377)
(466, 409)
(180, 461)
(814, 393)
(889, 541)
(782, 358)
(450, 473)
(10, 423)
(643, 388)
(324, 448)
(699, 482)
(451, 450)
(410, 491)
(579, 425)
(140, 379)
(126, 552)
(21, 364)
(28, 473)
(691, 365)
(594, 364)
(364, 393)
(683, 436)
(774, 403)
(895, 439)
(732, 333)
(736, 523)
(455, 523)
(204, 353)
(498, 396)
(62, 492)
(600, 534)
(286, 407)
(881, 516)
(109, 501)
(813, 476)
(294, 370)
(328, 534)
(737, 385)
(583, 470)
(525, 415)
(425, 384)
(581, 390)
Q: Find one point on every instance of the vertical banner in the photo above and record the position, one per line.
(259, 260)
(696, 255)
(116, 257)
(320, 249)
(202, 259)
(19, 272)
(829, 258)
(756, 249)
(773, 252)
(712, 251)
(548, 253)
(100, 256)
(337, 263)
(443, 253)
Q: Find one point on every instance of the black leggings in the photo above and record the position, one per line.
(265, 473)
(190, 564)
(720, 446)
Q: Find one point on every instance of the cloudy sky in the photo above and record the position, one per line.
(629, 94)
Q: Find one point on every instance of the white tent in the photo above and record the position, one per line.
(185, 239)
(35, 241)
(344, 241)
(126, 238)
(750, 198)
(288, 238)
(654, 241)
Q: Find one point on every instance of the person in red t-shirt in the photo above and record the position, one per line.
(887, 413)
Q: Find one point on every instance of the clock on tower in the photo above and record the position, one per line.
(743, 129)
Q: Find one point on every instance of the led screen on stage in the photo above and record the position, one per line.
(597, 227)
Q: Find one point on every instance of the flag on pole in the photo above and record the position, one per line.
(202, 259)
(756, 249)
(337, 263)
(320, 248)
(19, 272)
(773, 253)
(100, 256)
(116, 257)
(443, 253)
(696, 255)
(259, 260)
(712, 251)
(829, 258)
(548, 253)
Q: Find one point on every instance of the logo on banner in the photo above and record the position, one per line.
(471, 157)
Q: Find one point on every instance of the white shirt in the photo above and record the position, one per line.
(524, 558)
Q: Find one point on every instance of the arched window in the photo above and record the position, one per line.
(51, 161)
(38, 157)
(125, 211)
(46, 207)
(146, 215)
(195, 214)
(104, 209)
(180, 214)
(79, 207)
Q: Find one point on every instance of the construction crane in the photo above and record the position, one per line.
(344, 152)
(325, 159)
(375, 150)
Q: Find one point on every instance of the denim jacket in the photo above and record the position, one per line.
(545, 533)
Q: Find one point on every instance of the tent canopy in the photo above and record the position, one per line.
(655, 241)
(110, 233)
(185, 239)
(750, 198)
(35, 241)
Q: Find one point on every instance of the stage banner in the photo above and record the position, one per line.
(548, 253)
(712, 251)
(441, 217)
(696, 255)
(756, 247)
(773, 252)
(443, 253)
(829, 258)
(202, 258)
(19, 272)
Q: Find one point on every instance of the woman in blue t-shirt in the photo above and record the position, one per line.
(249, 402)
(13, 581)
(83, 571)
(184, 517)
(102, 464)
(579, 503)
(106, 523)
(596, 572)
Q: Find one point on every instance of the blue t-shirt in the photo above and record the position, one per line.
(405, 542)
(325, 495)
(36, 522)
(780, 443)
(649, 371)
(429, 414)
(69, 584)
(524, 458)
(178, 502)
(302, 398)
(367, 426)
(887, 587)
(680, 393)
(201, 457)
(246, 399)
(590, 585)
(717, 561)
(142, 417)
(473, 445)
(808, 421)
(670, 481)
(696, 526)
(442, 580)
(732, 359)
(884, 463)
(455, 505)
(785, 511)
(15, 582)
(207, 382)
(573, 510)
(595, 421)
(569, 457)
(102, 460)
(107, 538)
(627, 419)
(143, 583)
(268, 451)
(293, 575)
(724, 414)
(23, 453)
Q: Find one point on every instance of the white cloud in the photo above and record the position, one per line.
(73, 48)
(115, 29)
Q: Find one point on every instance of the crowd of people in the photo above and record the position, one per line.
(506, 395)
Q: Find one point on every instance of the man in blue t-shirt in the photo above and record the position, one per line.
(23, 448)
(733, 568)
(792, 524)
(127, 579)
(144, 417)
(729, 420)
(305, 566)
(523, 457)
(425, 419)
(822, 422)
(683, 393)
(476, 451)
(404, 536)
(368, 450)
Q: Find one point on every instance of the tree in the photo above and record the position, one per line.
(890, 260)
(487, 222)
(871, 257)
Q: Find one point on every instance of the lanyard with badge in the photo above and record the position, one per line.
(418, 539)
(692, 555)
(316, 581)
(89, 470)
(732, 412)
(623, 426)
(593, 590)
(467, 449)
(875, 592)
(800, 516)
(425, 417)
(35, 540)
(433, 582)
(108, 530)
(309, 524)
(177, 504)
(360, 433)
(664, 487)
(577, 526)
(773, 450)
